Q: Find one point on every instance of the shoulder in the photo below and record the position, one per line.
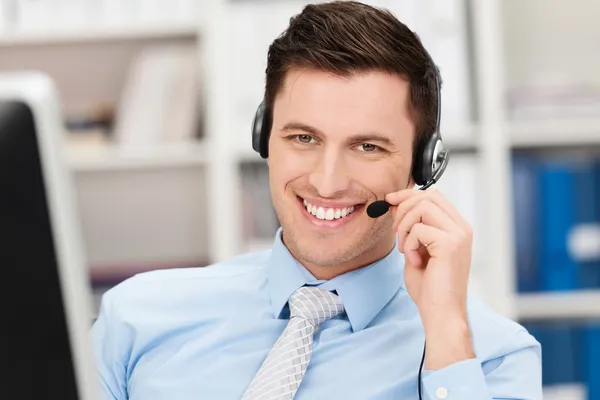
(496, 335)
(185, 290)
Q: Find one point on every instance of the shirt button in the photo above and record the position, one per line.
(441, 393)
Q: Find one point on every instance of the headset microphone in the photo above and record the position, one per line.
(378, 208)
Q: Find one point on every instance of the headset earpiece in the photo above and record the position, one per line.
(261, 127)
(431, 158)
(423, 169)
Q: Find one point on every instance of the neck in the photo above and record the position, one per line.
(376, 253)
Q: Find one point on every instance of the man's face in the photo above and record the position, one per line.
(338, 144)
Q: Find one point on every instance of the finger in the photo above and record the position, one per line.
(422, 235)
(398, 197)
(428, 213)
(405, 206)
(407, 201)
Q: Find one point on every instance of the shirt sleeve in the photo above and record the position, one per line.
(515, 374)
(111, 342)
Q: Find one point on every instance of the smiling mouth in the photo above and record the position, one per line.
(329, 213)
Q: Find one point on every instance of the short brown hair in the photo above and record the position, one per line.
(346, 37)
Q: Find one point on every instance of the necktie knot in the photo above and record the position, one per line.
(315, 305)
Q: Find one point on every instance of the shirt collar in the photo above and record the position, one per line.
(364, 291)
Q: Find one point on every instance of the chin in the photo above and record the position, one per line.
(322, 254)
(324, 248)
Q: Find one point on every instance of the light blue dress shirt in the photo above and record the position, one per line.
(203, 333)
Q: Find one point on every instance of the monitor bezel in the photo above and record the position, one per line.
(39, 93)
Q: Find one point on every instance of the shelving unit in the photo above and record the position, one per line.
(499, 137)
(126, 194)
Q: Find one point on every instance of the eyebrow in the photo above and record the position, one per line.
(364, 137)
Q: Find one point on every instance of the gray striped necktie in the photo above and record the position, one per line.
(282, 371)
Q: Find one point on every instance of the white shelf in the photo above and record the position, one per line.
(98, 34)
(545, 133)
(573, 391)
(558, 305)
(106, 157)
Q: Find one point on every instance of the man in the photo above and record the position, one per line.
(344, 306)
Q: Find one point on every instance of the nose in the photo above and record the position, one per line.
(329, 175)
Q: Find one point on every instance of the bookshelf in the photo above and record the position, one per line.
(141, 206)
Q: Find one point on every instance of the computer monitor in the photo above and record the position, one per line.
(45, 300)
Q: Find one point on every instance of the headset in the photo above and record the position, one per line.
(430, 158)
(429, 161)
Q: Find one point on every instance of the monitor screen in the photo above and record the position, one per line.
(34, 342)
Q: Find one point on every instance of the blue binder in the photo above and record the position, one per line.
(558, 203)
(587, 211)
(526, 222)
(569, 196)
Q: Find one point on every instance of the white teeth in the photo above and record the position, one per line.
(328, 214)
(320, 213)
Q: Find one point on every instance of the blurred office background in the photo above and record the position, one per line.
(158, 97)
